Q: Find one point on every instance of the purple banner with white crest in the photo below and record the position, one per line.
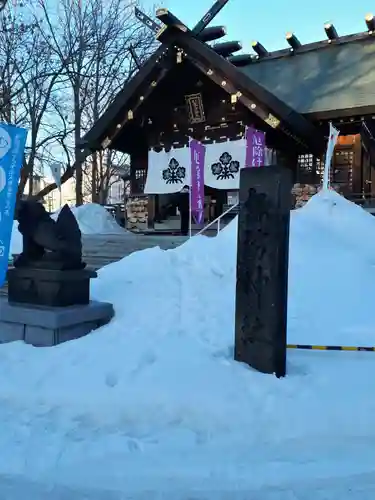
(197, 151)
(255, 147)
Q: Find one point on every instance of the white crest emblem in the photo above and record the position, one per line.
(5, 142)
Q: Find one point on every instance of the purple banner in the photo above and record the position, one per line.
(255, 147)
(197, 151)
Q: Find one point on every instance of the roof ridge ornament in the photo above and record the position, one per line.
(260, 50)
(293, 40)
(331, 32)
(203, 33)
(370, 23)
(200, 30)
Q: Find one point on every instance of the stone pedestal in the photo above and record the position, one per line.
(48, 326)
(48, 287)
(262, 268)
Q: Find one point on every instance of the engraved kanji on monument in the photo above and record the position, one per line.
(262, 268)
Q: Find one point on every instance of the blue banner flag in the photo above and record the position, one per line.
(12, 147)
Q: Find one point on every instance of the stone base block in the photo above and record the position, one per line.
(49, 326)
(49, 287)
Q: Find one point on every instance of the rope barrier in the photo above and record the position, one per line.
(330, 347)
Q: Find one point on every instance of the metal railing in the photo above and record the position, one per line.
(217, 220)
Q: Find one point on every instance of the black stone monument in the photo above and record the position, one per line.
(262, 268)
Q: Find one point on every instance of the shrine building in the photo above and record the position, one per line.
(196, 87)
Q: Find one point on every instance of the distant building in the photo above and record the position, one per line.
(54, 199)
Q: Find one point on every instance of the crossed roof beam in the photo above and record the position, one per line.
(201, 31)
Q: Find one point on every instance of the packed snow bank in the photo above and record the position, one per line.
(153, 403)
(95, 219)
(332, 273)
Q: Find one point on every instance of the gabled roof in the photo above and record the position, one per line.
(256, 97)
(323, 79)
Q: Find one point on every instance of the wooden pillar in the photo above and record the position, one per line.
(358, 177)
(151, 211)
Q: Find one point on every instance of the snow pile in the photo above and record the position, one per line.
(154, 403)
(95, 219)
(332, 273)
(16, 241)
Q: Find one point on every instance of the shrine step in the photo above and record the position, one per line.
(99, 250)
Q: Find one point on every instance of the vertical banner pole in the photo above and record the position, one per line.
(333, 135)
(56, 169)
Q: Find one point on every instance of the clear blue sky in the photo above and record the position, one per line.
(269, 20)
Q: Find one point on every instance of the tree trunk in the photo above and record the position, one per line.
(79, 176)
(94, 176)
(31, 183)
(103, 196)
(23, 179)
(77, 150)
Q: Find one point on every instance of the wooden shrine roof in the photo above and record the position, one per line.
(288, 89)
(261, 101)
(324, 79)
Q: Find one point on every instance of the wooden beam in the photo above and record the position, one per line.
(169, 20)
(209, 16)
(206, 35)
(241, 60)
(211, 34)
(146, 20)
(226, 49)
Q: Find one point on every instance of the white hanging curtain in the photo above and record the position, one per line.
(168, 172)
(223, 162)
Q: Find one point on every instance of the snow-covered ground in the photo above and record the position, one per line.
(153, 406)
(91, 218)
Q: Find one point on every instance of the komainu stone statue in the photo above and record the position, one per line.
(49, 271)
(48, 244)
